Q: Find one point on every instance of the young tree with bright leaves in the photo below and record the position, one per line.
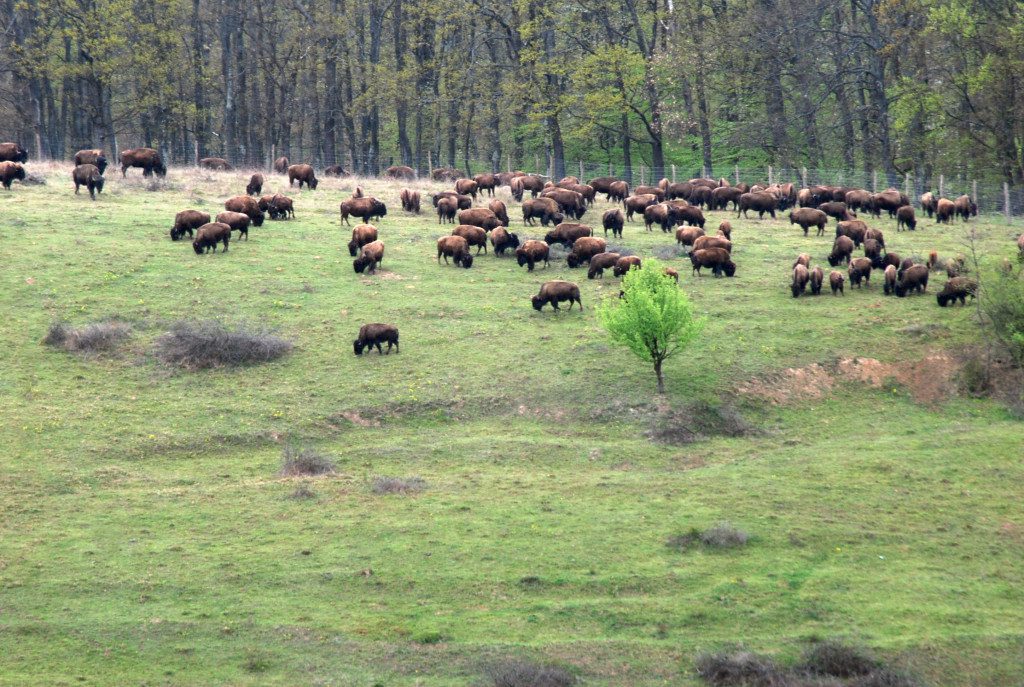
(653, 318)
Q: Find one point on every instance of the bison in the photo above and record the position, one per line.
(237, 221)
(544, 209)
(566, 233)
(660, 214)
(466, 187)
(626, 263)
(915, 278)
(446, 210)
(637, 204)
(247, 206)
(585, 248)
(817, 277)
(725, 229)
(363, 208)
(957, 288)
(479, 217)
(860, 270)
(718, 259)
(91, 156)
(944, 211)
(410, 200)
(277, 206)
(215, 163)
(281, 165)
(209, 235)
(461, 202)
(569, 202)
(532, 252)
(722, 196)
(905, 218)
(809, 217)
(928, 203)
(474, 235)
(890, 276)
(613, 219)
(375, 334)
(400, 172)
(362, 234)
(800, 279)
(842, 250)
(500, 211)
(187, 221)
(965, 208)
(761, 202)
(835, 281)
(88, 176)
(303, 174)
(889, 200)
(371, 257)
(555, 292)
(255, 185)
(685, 236)
(702, 242)
(455, 247)
(618, 191)
(486, 182)
(855, 229)
(336, 171)
(837, 210)
(600, 262)
(604, 185)
(147, 159)
(502, 240)
(12, 152)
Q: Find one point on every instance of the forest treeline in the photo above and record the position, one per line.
(897, 86)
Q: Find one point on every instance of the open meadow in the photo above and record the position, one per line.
(147, 536)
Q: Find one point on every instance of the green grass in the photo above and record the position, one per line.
(146, 537)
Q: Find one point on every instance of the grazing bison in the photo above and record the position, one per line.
(466, 187)
(905, 218)
(375, 334)
(247, 206)
(809, 217)
(461, 201)
(803, 259)
(890, 259)
(147, 159)
(479, 217)
(800, 279)
(855, 229)
(277, 206)
(500, 211)
(502, 239)
(944, 211)
(371, 257)
(336, 171)
(304, 175)
(362, 234)
(685, 236)
(702, 242)
(835, 281)
(842, 249)
(761, 202)
(209, 235)
(532, 252)
(544, 209)
(237, 221)
(555, 292)
(837, 210)
(718, 259)
(12, 152)
(363, 208)
(928, 203)
(817, 277)
(637, 204)
(456, 248)
(474, 235)
(915, 278)
(660, 214)
(957, 288)
(585, 248)
(965, 208)
(687, 214)
(88, 176)
(587, 192)
(873, 252)
(486, 182)
(566, 233)
(805, 198)
(860, 269)
(446, 209)
(531, 182)
(725, 229)
(600, 262)
(857, 199)
(255, 185)
(281, 165)
(187, 221)
(215, 163)
(400, 172)
(410, 200)
(625, 264)
(613, 219)
(91, 156)
(890, 276)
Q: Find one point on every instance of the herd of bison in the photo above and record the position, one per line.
(561, 205)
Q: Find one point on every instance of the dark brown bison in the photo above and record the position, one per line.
(544, 209)
(817, 277)
(889, 201)
(873, 252)
(375, 334)
(889, 276)
(462, 202)
(186, 221)
(371, 257)
(247, 206)
(566, 233)
(905, 218)
(88, 176)
(688, 214)
(854, 228)
(585, 248)
(209, 235)
(725, 229)
(928, 203)
(857, 199)
(836, 281)
(502, 239)
(446, 209)
(586, 191)
(603, 185)
(303, 174)
(479, 217)
(800, 279)
(362, 234)
(147, 159)
(660, 214)
(532, 183)
(957, 288)
(890, 259)
(410, 200)
(625, 264)
(215, 163)
(12, 152)
(555, 292)
(613, 219)
(400, 172)
(336, 171)
(237, 221)
(569, 202)
(281, 165)
(838, 210)
(277, 206)
(636, 204)
(255, 185)
(718, 259)
(500, 211)
(762, 202)
(618, 191)
(92, 156)
(363, 208)
(803, 259)
(446, 174)
(456, 248)
(486, 182)
(944, 211)
(474, 235)
(702, 242)
(532, 252)
(860, 270)
(650, 190)
(600, 262)
(842, 250)
(965, 208)
(809, 217)
(722, 196)
(915, 278)
(466, 187)
(685, 236)
(680, 190)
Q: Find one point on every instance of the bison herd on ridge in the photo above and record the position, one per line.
(561, 205)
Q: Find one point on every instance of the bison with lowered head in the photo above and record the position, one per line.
(362, 234)
(555, 292)
(375, 334)
(370, 258)
(12, 152)
(187, 221)
(209, 235)
(247, 206)
(304, 175)
(147, 159)
(456, 248)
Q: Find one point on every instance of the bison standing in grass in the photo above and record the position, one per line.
(532, 252)
(147, 159)
(544, 209)
(370, 258)
(454, 247)
(362, 234)
(957, 288)
(187, 221)
(836, 281)
(247, 206)
(613, 219)
(400, 172)
(600, 262)
(92, 156)
(255, 185)
(12, 152)
(915, 278)
(502, 240)
(88, 176)
(209, 235)
(304, 175)
(800, 279)
(218, 164)
(237, 221)
(375, 334)
(555, 292)
(410, 200)
(365, 209)
(905, 218)
(809, 217)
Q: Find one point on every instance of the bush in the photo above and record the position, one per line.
(306, 461)
(837, 659)
(1002, 300)
(885, 678)
(302, 493)
(100, 337)
(741, 669)
(520, 673)
(397, 485)
(202, 345)
(721, 536)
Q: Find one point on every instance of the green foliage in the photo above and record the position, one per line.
(1003, 303)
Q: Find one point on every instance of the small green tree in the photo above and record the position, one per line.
(653, 318)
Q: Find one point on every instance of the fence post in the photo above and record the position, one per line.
(906, 187)
(551, 166)
(942, 186)
(642, 181)
(974, 190)
(673, 174)
(874, 181)
(737, 175)
(803, 176)
(610, 168)
(536, 164)
(581, 173)
(430, 164)
(1006, 201)
(508, 159)
(273, 154)
(771, 180)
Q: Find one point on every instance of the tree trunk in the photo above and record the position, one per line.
(661, 377)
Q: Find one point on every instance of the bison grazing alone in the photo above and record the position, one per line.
(237, 221)
(209, 235)
(362, 208)
(187, 221)
(370, 258)
(809, 217)
(410, 200)
(915, 278)
(12, 152)
(762, 202)
(502, 240)
(400, 172)
(10, 172)
(800, 279)
(91, 156)
(375, 334)
(255, 185)
(147, 159)
(446, 209)
(466, 187)
(532, 252)
(905, 218)
(555, 292)
(474, 235)
(304, 175)
(585, 248)
(362, 234)
(600, 262)
(456, 248)
(479, 217)
(544, 209)
(889, 285)
(836, 280)
(625, 264)
(817, 277)
(718, 259)
(88, 176)
(860, 270)
(247, 206)
(500, 211)
(957, 288)
(215, 163)
(613, 219)
(281, 165)
(336, 171)
(842, 249)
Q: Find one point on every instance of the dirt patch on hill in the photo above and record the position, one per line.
(928, 380)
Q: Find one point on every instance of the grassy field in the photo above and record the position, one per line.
(147, 538)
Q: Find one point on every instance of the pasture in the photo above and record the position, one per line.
(148, 538)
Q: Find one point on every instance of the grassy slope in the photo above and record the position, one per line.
(144, 535)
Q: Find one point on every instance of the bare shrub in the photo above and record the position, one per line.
(740, 669)
(521, 673)
(621, 250)
(697, 421)
(302, 493)
(397, 485)
(556, 251)
(202, 345)
(34, 180)
(297, 462)
(99, 337)
(721, 536)
(832, 657)
(669, 252)
(885, 678)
